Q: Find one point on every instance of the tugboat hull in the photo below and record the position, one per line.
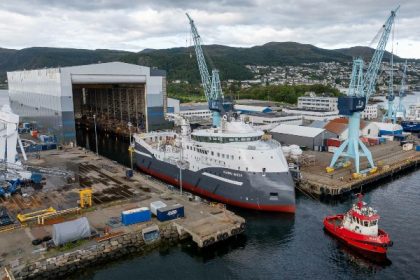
(373, 244)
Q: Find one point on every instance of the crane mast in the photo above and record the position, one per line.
(360, 89)
(211, 84)
(401, 111)
(390, 115)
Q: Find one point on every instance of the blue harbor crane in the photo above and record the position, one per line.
(390, 115)
(211, 84)
(401, 111)
(361, 87)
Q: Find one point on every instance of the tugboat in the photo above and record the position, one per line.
(359, 228)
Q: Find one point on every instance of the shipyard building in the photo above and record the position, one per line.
(109, 94)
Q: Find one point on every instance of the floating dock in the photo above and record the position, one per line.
(390, 159)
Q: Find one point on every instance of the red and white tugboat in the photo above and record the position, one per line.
(359, 228)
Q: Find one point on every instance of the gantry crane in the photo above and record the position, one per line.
(360, 89)
(211, 84)
(401, 111)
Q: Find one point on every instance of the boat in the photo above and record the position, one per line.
(412, 122)
(234, 164)
(359, 228)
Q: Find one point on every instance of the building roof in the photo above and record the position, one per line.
(249, 108)
(318, 124)
(339, 125)
(297, 130)
(336, 128)
(387, 126)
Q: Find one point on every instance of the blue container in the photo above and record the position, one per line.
(129, 173)
(170, 212)
(418, 148)
(135, 216)
(36, 178)
(26, 125)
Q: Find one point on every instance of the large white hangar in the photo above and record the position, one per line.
(116, 93)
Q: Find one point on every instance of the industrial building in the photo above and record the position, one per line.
(267, 121)
(314, 102)
(114, 93)
(303, 136)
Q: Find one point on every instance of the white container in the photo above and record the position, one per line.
(286, 150)
(294, 147)
(155, 205)
(332, 149)
(407, 146)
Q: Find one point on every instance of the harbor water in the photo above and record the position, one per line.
(277, 246)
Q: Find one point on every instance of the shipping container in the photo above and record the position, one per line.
(137, 215)
(382, 140)
(418, 148)
(129, 173)
(333, 142)
(170, 212)
(332, 149)
(155, 205)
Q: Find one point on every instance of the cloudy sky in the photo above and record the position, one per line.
(138, 24)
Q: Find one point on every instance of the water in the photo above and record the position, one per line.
(279, 246)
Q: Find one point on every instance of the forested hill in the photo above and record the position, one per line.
(180, 63)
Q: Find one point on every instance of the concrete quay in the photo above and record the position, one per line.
(204, 223)
(390, 158)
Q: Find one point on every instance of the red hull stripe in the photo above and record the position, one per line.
(247, 205)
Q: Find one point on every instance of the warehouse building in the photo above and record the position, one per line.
(303, 136)
(113, 94)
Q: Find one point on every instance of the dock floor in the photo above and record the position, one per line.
(112, 193)
(390, 158)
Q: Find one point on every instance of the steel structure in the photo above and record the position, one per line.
(360, 89)
(211, 84)
(391, 112)
(400, 110)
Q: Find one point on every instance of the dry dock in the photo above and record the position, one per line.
(204, 223)
(390, 159)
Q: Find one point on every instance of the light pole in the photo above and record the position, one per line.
(96, 135)
(181, 165)
(130, 148)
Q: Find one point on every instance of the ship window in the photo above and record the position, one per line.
(366, 223)
(223, 155)
(212, 153)
(218, 154)
(263, 171)
(231, 156)
(247, 169)
(274, 196)
(374, 223)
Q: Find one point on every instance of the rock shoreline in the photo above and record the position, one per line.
(112, 249)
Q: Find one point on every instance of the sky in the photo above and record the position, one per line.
(134, 25)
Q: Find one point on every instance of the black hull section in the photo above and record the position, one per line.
(270, 192)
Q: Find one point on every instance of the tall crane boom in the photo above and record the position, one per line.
(360, 89)
(202, 66)
(211, 84)
(373, 68)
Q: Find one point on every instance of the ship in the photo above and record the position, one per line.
(412, 122)
(359, 228)
(234, 164)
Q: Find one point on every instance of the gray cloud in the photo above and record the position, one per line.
(134, 25)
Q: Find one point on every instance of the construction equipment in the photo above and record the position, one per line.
(23, 218)
(85, 198)
(360, 89)
(400, 110)
(211, 84)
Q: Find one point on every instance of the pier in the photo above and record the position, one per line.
(390, 159)
(58, 200)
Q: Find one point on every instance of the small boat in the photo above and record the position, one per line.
(359, 228)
